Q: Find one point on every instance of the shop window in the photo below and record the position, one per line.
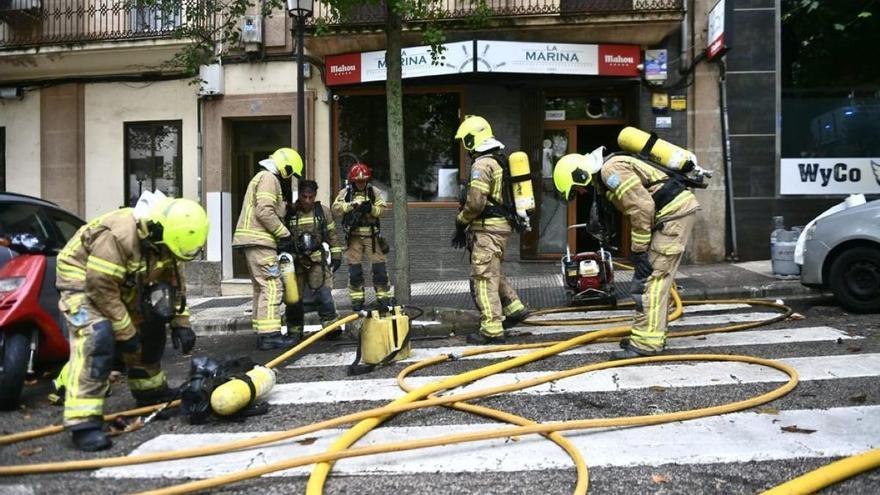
(830, 96)
(583, 108)
(153, 153)
(431, 154)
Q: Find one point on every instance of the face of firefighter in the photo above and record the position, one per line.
(306, 200)
(361, 184)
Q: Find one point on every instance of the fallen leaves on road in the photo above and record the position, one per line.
(795, 317)
(795, 429)
(307, 441)
(859, 399)
(27, 452)
(659, 478)
(122, 424)
(657, 388)
(854, 348)
(767, 410)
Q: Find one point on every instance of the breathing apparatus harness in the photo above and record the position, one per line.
(676, 181)
(504, 208)
(355, 219)
(306, 244)
(157, 300)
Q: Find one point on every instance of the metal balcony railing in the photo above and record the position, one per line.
(30, 23)
(461, 9)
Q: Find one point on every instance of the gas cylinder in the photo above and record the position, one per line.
(236, 394)
(521, 179)
(667, 154)
(288, 278)
(782, 246)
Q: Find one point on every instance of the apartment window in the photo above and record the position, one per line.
(153, 156)
(163, 16)
(431, 154)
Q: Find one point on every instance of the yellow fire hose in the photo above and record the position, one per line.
(548, 429)
(51, 430)
(829, 474)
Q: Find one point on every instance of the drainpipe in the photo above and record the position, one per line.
(725, 149)
(684, 42)
(199, 152)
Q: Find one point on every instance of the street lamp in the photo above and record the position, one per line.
(300, 10)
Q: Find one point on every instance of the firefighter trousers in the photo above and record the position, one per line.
(667, 248)
(315, 287)
(358, 248)
(93, 349)
(263, 266)
(492, 292)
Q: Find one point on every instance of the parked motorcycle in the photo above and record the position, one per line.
(31, 329)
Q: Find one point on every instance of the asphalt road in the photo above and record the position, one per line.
(833, 412)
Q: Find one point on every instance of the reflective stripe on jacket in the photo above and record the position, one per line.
(487, 179)
(260, 221)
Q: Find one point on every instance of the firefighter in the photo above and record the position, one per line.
(120, 284)
(312, 225)
(261, 233)
(662, 213)
(488, 221)
(359, 207)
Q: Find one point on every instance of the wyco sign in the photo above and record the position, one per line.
(829, 176)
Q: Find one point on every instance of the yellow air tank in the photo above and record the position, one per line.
(383, 335)
(521, 179)
(235, 395)
(288, 278)
(667, 154)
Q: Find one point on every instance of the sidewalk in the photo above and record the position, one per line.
(449, 308)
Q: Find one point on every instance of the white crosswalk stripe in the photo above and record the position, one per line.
(737, 437)
(742, 338)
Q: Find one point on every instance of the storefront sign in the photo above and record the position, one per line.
(352, 68)
(557, 58)
(829, 176)
(554, 114)
(491, 56)
(715, 39)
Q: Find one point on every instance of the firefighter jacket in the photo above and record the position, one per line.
(260, 222)
(319, 222)
(481, 209)
(106, 262)
(629, 184)
(356, 222)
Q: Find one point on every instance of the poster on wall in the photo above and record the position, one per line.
(821, 176)
(558, 58)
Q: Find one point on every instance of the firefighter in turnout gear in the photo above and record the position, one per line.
(312, 225)
(485, 223)
(120, 284)
(358, 208)
(261, 233)
(662, 213)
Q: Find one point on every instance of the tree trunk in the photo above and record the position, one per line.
(394, 101)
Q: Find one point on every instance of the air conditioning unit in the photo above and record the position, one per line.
(15, 10)
(211, 80)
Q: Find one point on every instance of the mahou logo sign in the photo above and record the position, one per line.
(619, 60)
(343, 69)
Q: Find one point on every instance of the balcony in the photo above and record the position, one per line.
(36, 23)
(608, 21)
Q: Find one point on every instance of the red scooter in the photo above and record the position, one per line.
(31, 331)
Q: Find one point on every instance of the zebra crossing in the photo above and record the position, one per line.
(802, 428)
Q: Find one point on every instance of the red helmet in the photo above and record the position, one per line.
(359, 171)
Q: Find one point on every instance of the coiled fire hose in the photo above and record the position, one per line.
(548, 429)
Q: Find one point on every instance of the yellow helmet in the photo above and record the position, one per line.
(475, 133)
(576, 170)
(181, 225)
(288, 162)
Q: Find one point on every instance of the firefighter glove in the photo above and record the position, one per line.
(365, 207)
(335, 263)
(642, 265)
(183, 338)
(286, 245)
(459, 240)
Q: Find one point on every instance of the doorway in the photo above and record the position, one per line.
(252, 141)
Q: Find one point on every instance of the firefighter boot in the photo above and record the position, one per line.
(275, 340)
(478, 338)
(629, 351)
(515, 319)
(89, 436)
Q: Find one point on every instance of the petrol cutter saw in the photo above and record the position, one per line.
(589, 276)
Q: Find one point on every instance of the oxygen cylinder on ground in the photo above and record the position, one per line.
(782, 246)
(521, 179)
(236, 394)
(663, 152)
(288, 278)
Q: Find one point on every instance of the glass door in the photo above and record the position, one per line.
(552, 210)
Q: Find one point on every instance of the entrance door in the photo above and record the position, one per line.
(252, 141)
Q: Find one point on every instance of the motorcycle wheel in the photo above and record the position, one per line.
(15, 357)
